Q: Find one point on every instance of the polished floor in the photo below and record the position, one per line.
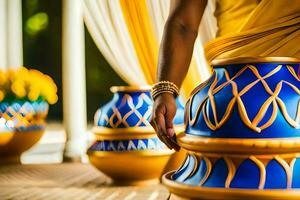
(43, 176)
(68, 181)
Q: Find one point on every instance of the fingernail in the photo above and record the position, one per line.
(170, 132)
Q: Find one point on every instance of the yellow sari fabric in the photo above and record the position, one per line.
(256, 28)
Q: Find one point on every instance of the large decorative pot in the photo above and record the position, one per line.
(242, 133)
(126, 147)
(22, 124)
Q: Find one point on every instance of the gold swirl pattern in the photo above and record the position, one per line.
(262, 171)
(208, 171)
(286, 161)
(23, 116)
(274, 101)
(133, 110)
(197, 161)
(231, 171)
(287, 168)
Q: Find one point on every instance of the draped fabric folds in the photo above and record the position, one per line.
(106, 24)
(142, 36)
(271, 28)
(128, 33)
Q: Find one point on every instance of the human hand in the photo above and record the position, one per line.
(164, 110)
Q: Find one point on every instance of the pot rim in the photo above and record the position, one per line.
(144, 132)
(196, 191)
(136, 88)
(244, 146)
(136, 153)
(258, 59)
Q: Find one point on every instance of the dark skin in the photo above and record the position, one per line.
(175, 55)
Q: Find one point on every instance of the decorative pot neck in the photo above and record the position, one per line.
(131, 107)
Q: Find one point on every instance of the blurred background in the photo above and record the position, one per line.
(42, 24)
(86, 47)
(73, 52)
(42, 42)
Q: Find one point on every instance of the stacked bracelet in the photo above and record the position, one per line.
(164, 87)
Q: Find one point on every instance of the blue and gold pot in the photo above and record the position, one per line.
(242, 133)
(126, 147)
(22, 124)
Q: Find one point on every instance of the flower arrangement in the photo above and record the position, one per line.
(26, 84)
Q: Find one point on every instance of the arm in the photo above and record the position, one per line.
(175, 55)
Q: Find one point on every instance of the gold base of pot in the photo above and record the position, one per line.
(13, 144)
(5, 138)
(132, 167)
(154, 181)
(175, 160)
(183, 191)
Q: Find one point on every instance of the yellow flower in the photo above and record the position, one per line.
(52, 99)
(34, 92)
(3, 77)
(32, 84)
(33, 96)
(2, 95)
(18, 88)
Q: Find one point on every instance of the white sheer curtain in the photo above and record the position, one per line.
(107, 26)
(11, 35)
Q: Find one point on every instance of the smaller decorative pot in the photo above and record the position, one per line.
(127, 148)
(22, 124)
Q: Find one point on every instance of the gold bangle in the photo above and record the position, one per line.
(164, 87)
(166, 83)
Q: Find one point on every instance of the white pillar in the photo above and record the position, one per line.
(74, 90)
(3, 30)
(14, 34)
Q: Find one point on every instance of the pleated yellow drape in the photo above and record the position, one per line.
(146, 45)
(142, 35)
(271, 29)
(105, 21)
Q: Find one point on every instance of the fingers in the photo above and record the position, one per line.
(163, 139)
(161, 130)
(174, 143)
(159, 124)
(172, 138)
(170, 129)
(164, 111)
(169, 125)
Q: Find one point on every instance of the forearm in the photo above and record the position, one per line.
(174, 58)
(175, 53)
(177, 45)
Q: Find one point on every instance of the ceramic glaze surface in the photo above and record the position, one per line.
(253, 172)
(242, 132)
(128, 145)
(131, 109)
(123, 133)
(23, 115)
(247, 101)
(126, 109)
